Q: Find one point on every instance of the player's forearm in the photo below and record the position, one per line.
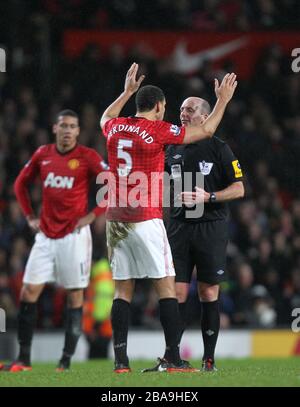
(115, 108)
(99, 210)
(233, 191)
(212, 122)
(23, 199)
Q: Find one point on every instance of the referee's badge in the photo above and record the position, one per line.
(205, 168)
(176, 171)
(237, 169)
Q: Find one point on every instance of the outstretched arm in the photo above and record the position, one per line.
(224, 93)
(130, 87)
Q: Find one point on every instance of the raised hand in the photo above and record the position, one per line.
(226, 90)
(131, 83)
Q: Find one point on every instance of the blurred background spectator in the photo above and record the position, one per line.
(96, 313)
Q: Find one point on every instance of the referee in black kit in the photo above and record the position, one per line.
(201, 241)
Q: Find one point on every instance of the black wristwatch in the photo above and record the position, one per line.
(212, 197)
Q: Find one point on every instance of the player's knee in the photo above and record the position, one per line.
(166, 290)
(75, 298)
(124, 290)
(181, 295)
(124, 294)
(182, 291)
(208, 293)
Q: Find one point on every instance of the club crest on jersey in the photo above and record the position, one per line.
(205, 168)
(73, 164)
(175, 129)
(57, 181)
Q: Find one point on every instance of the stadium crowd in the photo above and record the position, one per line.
(262, 125)
(202, 15)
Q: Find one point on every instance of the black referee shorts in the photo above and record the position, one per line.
(202, 245)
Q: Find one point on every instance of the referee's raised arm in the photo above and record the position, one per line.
(224, 93)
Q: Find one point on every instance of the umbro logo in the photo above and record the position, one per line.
(45, 162)
(177, 156)
(220, 272)
(209, 332)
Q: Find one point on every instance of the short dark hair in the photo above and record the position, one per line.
(66, 112)
(147, 97)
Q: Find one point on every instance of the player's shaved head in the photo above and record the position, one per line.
(198, 103)
(194, 111)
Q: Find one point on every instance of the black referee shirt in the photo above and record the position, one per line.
(217, 163)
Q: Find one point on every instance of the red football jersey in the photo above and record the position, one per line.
(65, 185)
(136, 159)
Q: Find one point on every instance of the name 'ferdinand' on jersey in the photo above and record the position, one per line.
(135, 146)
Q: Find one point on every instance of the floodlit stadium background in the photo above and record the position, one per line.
(75, 55)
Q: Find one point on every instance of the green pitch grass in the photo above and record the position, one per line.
(242, 372)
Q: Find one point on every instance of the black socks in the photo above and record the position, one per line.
(120, 322)
(210, 326)
(26, 323)
(73, 332)
(183, 317)
(170, 320)
(169, 317)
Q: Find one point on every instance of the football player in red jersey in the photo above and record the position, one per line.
(136, 235)
(63, 247)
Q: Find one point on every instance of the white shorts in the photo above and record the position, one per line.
(66, 261)
(139, 250)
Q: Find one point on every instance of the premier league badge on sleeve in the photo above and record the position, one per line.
(175, 129)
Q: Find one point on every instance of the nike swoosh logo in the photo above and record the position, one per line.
(46, 162)
(185, 62)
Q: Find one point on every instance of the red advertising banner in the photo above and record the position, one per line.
(187, 50)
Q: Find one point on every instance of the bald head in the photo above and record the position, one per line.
(194, 111)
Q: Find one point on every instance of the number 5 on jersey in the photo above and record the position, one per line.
(124, 168)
